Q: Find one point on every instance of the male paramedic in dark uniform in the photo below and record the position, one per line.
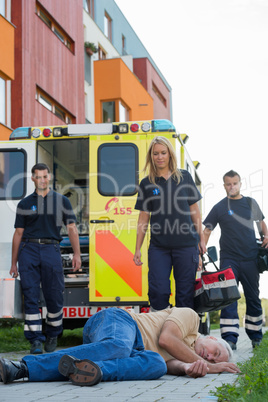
(238, 249)
(36, 248)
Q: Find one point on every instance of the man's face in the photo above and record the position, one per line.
(232, 186)
(41, 179)
(211, 350)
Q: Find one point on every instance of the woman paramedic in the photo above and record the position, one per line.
(168, 198)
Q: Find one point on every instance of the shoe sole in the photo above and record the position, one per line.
(36, 352)
(49, 350)
(3, 373)
(80, 372)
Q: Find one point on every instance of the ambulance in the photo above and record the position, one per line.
(98, 167)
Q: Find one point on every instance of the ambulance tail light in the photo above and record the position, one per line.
(60, 131)
(134, 127)
(162, 125)
(123, 128)
(47, 132)
(20, 133)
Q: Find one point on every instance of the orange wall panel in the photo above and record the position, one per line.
(114, 81)
(6, 49)
(4, 132)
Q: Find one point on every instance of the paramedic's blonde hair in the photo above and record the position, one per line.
(149, 162)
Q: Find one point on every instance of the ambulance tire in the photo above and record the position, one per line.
(74, 323)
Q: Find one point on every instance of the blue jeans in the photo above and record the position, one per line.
(112, 339)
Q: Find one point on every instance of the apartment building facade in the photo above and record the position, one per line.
(6, 67)
(51, 77)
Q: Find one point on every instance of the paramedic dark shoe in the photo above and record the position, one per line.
(36, 348)
(232, 345)
(11, 371)
(80, 372)
(50, 344)
(256, 342)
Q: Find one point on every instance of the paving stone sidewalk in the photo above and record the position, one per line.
(167, 388)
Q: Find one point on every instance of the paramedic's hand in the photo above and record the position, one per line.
(200, 263)
(202, 247)
(76, 262)
(265, 242)
(14, 271)
(137, 258)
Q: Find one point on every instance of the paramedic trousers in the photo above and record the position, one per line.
(111, 339)
(185, 263)
(41, 264)
(247, 273)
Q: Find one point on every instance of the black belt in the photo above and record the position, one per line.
(41, 241)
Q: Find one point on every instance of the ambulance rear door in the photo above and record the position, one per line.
(16, 160)
(115, 162)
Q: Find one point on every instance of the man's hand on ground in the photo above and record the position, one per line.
(196, 369)
(223, 366)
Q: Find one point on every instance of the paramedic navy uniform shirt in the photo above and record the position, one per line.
(235, 218)
(169, 205)
(42, 217)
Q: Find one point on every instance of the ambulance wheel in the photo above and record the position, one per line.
(204, 326)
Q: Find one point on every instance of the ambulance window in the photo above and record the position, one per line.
(12, 174)
(117, 169)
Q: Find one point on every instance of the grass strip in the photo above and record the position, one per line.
(252, 384)
(12, 337)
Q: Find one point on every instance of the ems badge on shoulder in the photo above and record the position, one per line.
(156, 191)
(33, 207)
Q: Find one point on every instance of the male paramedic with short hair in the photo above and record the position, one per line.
(238, 249)
(36, 249)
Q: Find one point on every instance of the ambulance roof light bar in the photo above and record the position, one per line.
(20, 133)
(90, 129)
(162, 125)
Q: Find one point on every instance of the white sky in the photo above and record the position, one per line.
(214, 55)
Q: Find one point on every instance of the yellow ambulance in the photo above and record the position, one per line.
(98, 167)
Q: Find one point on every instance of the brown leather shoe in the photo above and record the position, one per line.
(80, 372)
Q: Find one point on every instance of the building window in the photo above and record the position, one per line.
(89, 7)
(54, 26)
(2, 101)
(87, 64)
(102, 53)
(45, 19)
(123, 112)
(118, 169)
(108, 26)
(45, 102)
(108, 112)
(159, 95)
(124, 52)
(59, 35)
(3, 7)
(50, 104)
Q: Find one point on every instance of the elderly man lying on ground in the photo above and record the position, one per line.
(122, 346)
